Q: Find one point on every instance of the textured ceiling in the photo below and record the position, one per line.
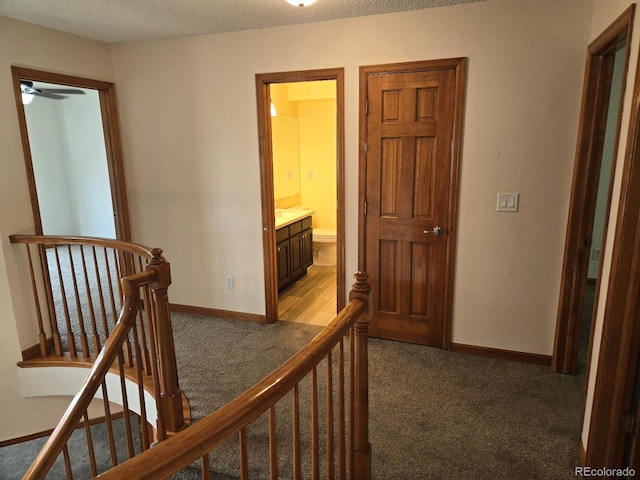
(114, 21)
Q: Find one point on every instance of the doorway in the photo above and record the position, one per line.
(410, 121)
(591, 194)
(72, 153)
(302, 173)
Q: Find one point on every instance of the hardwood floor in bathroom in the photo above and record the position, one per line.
(312, 299)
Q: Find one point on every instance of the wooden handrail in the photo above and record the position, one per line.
(49, 240)
(198, 440)
(112, 348)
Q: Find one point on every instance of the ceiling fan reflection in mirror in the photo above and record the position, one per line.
(29, 92)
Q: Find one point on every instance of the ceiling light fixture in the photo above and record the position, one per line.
(301, 3)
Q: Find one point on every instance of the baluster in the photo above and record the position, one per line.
(297, 469)
(67, 462)
(67, 317)
(92, 314)
(330, 421)
(351, 426)
(155, 365)
(315, 450)
(103, 310)
(42, 336)
(144, 434)
(125, 405)
(273, 444)
(53, 318)
(109, 424)
(144, 339)
(244, 455)
(91, 452)
(341, 414)
(206, 469)
(115, 278)
(83, 334)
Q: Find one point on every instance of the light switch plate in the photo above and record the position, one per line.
(508, 202)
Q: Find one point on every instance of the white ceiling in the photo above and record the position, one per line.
(115, 21)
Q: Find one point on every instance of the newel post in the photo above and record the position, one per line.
(170, 394)
(361, 445)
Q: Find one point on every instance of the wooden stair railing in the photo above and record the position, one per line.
(109, 298)
(347, 452)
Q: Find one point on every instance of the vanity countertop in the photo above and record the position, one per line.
(286, 217)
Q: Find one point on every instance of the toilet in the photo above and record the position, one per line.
(324, 247)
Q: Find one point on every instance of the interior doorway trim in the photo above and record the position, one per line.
(615, 377)
(111, 129)
(584, 189)
(263, 81)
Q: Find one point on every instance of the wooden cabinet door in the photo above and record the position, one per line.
(409, 132)
(284, 269)
(307, 248)
(297, 262)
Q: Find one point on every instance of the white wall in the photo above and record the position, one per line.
(70, 165)
(192, 153)
(49, 167)
(28, 46)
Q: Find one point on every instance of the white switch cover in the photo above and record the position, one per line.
(508, 202)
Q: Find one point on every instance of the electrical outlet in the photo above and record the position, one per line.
(595, 254)
(230, 283)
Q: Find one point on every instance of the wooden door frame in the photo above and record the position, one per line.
(113, 147)
(620, 346)
(460, 66)
(584, 189)
(263, 81)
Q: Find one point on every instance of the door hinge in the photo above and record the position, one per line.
(366, 107)
(365, 207)
(366, 148)
(629, 424)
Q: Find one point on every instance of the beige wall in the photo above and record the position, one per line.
(28, 46)
(188, 114)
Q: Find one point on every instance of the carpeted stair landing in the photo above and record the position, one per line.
(433, 414)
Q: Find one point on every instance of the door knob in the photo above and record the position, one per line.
(437, 231)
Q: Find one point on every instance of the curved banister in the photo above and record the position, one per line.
(103, 363)
(48, 240)
(193, 443)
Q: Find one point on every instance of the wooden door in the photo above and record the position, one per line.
(412, 124)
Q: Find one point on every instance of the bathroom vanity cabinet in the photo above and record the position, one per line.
(294, 244)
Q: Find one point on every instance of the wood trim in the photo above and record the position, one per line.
(45, 433)
(460, 66)
(263, 80)
(34, 350)
(582, 454)
(513, 356)
(619, 349)
(214, 312)
(113, 147)
(584, 186)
